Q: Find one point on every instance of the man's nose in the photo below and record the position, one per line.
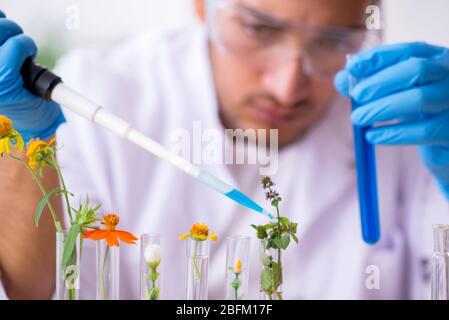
(288, 82)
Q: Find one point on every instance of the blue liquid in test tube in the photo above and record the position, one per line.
(365, 160)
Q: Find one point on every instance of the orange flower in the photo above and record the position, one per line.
(112, 236)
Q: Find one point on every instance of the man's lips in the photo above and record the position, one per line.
(277, 115)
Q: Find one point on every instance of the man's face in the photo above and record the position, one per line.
(283, 97)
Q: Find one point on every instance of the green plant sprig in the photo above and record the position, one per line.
(153, 292)
(275, 235)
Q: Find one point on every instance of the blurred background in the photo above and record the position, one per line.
(60, 25)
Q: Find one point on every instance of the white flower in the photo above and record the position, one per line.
(152, 253)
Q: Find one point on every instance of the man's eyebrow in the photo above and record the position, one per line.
(276, 22)
(264, 17)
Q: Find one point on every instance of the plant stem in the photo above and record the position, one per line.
(61, 178)
(279, 295)
(279, 228)
(198, 273)
(70, 294)
(102, 272)
(56, 221)
(153, 275)
(275, 290)
(70, 281)
(237, 288)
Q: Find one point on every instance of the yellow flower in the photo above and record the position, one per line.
(5, 125)
(213, 237)
(8, 136)
(238, 266)
(200, 232)
(39, 153)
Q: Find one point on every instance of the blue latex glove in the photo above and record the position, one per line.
(409, 85)
(32, 117)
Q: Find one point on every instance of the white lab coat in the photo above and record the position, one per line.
(160, 83)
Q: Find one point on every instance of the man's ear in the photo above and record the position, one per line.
(200, 10)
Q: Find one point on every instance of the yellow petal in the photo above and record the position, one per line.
(32, 164)
(7, 145)
(183, 236)
(238, 266)
(2, 146)
(52, 141)
(19, 141)
(200, 237)
(213, 237)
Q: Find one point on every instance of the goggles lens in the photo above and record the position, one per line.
(263, 43)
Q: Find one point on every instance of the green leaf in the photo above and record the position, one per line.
(41, 205)
(271, 244)
(69, 244)
(154, 275)
(265, 259)
(266, 279)
(282, 242)
(235, 284)
(276, 242)
(292, 227)
(295, 238)
(285, 240)
(153, 293)
(61, 191)
(284, 221)
(94, 210)
(153, 265)
(51, 164)
(277, 275)
(270, 225)
(261, 232)
(85, 216)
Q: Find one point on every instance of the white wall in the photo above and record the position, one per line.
(104, 21)
(410, 20)
(101, 21)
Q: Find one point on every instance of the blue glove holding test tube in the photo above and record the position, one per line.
(409, 84)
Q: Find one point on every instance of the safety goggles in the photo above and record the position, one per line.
(266, 43)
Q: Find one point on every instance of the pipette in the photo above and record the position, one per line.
(365, 159)
(47, 85)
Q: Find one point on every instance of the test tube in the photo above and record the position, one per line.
(237, 267)
(365, 161)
